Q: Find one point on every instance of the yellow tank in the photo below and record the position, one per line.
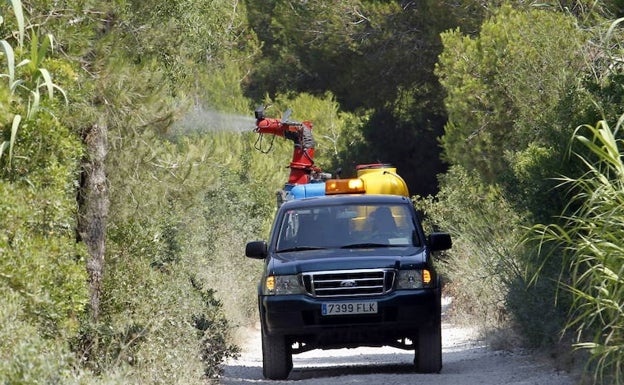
(382, 179)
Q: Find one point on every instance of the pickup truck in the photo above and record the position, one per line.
(343, 271)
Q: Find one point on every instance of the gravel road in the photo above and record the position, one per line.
(466, 361)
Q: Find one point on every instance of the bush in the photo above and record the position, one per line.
(42, 275)
(26, 356)
(157, 321)
(482, 263)
(489, 269)
(181, 212)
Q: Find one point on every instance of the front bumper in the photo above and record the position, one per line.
(399, 315)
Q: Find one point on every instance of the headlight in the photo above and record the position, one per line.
(413, 279)
(282, 285)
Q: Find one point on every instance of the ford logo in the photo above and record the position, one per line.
(348, 283)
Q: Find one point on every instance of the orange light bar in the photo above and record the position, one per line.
(344, 186)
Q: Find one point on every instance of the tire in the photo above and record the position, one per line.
(276, 357)
(428, 357)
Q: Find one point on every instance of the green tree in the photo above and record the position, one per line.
(506, 94)
(361, 51)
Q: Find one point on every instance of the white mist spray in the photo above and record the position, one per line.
(202, 120)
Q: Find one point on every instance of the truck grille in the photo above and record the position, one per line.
(349, 283)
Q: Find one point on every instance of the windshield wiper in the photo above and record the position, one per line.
(300, 248)
(365, 245)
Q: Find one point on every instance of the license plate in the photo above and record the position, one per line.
(347, 308)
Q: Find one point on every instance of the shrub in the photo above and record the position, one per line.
(489, 269)
(26, 356)
(485, 230)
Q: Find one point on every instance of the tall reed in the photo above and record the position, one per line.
(24, 93)
(591, 237)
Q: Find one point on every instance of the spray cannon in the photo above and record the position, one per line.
(302, 168)
(306, 180)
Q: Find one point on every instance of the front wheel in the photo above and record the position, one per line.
(276, 357)
(428, 356)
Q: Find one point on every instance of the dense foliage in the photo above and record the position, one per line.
(377, 58)
(68, 67)
(590, 238)
(475, 102)
(504, 130)
(515, 94)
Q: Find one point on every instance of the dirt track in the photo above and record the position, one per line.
(466, 361)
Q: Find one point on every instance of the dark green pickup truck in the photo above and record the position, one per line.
(348, 271)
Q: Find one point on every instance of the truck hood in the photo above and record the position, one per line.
(347, 259)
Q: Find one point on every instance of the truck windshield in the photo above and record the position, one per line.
(350, 226)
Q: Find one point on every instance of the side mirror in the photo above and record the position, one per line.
(440, 241)
(256, 250)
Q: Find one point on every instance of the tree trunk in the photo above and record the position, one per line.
(93, 202)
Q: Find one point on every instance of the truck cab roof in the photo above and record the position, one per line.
(346, 199)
